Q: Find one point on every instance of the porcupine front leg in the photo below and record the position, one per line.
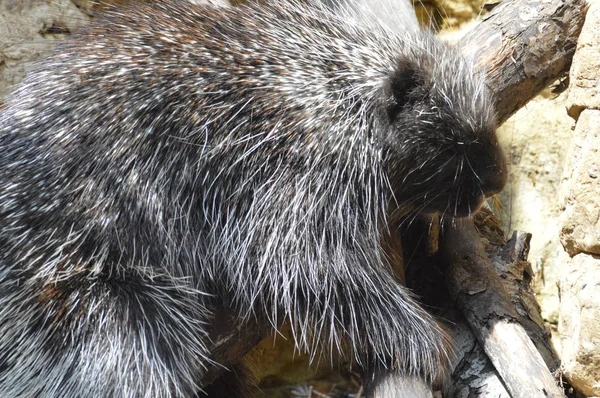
(364, 306)
(317, 262)
(83, 335)
(389, 328)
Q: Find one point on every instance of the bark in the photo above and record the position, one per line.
(479, 293)
(525, 45)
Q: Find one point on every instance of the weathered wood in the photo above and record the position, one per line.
(510, 263)
(479, 293)
(390, 384)
(525, 45)
(473, 375)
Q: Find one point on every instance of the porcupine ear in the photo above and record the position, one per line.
(406, 83)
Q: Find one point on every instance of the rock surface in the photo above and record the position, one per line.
(579, 321)
(585, 79)
(579, 313)
(457, 12)
(536, 141)
(28, 30)
(579, 325)
(580, 221)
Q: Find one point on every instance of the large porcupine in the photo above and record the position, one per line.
(174, 156)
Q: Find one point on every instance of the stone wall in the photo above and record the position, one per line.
(579, 316)
(28, 30)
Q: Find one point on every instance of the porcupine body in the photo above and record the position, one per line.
(172, 157)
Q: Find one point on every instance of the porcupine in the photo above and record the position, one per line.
(174, 156)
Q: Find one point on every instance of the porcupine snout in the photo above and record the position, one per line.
(487, 175)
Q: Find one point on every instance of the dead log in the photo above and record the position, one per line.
(511, 265)
(524, 45)
(232, 340)
(480, 295)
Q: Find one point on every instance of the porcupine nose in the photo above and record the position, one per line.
(488, 182)
(494, 180)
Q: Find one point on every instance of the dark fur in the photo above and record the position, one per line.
(235, 383)
(172, 152)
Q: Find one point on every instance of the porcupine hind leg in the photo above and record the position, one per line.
(81, 335)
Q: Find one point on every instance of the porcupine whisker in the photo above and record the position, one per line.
(407, 222)
(473, 171)
(439, 170)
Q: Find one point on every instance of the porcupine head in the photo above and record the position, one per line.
(442, 152)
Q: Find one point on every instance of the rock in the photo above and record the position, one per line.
(536, 141)
(580, 221)
(585, 79)
(579, 325)
(28, 30)
(579, 313)
(456, 12)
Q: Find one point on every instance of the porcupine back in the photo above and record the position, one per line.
(172, 156)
